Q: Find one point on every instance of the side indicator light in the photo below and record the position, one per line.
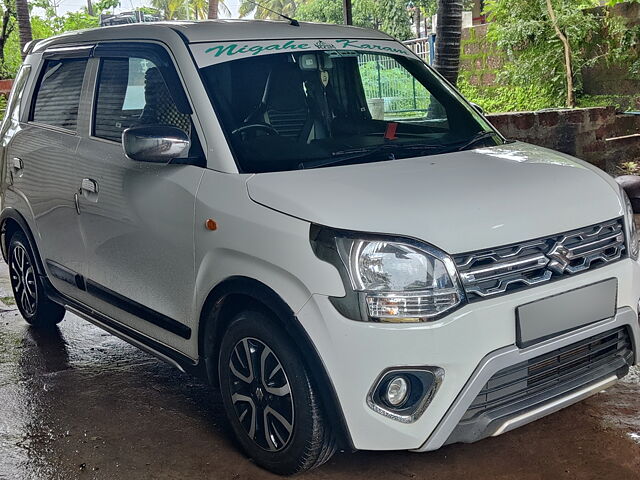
(211, 224)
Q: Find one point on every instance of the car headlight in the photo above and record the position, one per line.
(392, 280)
(632, 231)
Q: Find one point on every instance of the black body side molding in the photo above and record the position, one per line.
(117, 300)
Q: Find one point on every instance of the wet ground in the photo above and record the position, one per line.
(78, 403)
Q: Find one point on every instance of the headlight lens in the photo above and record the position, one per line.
(400, 282)
(632, 231)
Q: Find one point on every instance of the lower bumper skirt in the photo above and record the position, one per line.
(513, 387)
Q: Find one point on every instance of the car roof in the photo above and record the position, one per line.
(213, 31)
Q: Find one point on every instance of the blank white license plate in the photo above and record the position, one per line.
(545, 318)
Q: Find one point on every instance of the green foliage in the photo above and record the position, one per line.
(508, 98)
(286, 7)
(73, 21)
(104, 5)
(524, 31)
(629, 168)
(622, 103)
(182, 9)
(395, 18)
(427, 7)
(329, 11)
(390, 16)
(618, 44)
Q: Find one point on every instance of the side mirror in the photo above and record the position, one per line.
(477, 108)
(631, 185)
(155, 143)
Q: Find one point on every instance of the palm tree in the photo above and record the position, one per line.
(172, 9)
(182, 9)
(285, 7)
(175, 10)
(448, 33)
(213, 9)
(24, 24)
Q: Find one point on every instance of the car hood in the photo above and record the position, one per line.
(458, 202)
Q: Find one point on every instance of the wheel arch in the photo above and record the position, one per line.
(11, 221)
(237, 293)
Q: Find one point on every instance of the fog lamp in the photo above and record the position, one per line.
(397, 391)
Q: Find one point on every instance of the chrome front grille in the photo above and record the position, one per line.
(498, 270)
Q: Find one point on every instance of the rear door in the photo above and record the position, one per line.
(137, 219)
(42, 169)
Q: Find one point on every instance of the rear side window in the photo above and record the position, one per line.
(58, 95)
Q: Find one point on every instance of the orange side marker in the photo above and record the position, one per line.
(211, 224)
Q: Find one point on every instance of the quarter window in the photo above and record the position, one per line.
(132, 91)
(58, 95)
(12, 113)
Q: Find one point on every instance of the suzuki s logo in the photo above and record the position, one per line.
(559, 258)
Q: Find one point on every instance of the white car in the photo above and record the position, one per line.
(316, 221)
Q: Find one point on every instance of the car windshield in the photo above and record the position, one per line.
(299, 108)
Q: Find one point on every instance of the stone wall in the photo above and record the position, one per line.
(598, 135)
(5, 86)
(480, 60)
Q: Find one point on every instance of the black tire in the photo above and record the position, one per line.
(28, 288)
(309, 442)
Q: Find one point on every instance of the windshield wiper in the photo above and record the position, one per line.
(343, 156)
(475, 139)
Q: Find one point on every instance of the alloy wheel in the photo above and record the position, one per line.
(23, 280)
(261, 394)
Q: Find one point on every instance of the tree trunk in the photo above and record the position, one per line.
(347, 12)
(213, 9)
(24, 24)
(416, 19)
(567, 54)
(90, 7)
(7, 28)
(448, 34)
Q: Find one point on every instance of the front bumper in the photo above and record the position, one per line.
(470, 345)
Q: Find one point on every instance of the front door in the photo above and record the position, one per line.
(137, 218)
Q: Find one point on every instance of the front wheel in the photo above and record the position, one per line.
(269, 397)
(28, 289)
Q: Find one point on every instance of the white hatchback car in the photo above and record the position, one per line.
(318, 222)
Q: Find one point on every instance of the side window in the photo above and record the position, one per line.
(58, 95)
(131, 92)
(393, 93)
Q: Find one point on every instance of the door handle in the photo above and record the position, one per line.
(17, 163)
(17, 166)
(89, 186)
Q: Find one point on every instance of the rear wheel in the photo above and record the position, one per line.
(28, 288)
(269, 397)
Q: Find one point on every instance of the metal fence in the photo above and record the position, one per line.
(422, 47)
(384, 78)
